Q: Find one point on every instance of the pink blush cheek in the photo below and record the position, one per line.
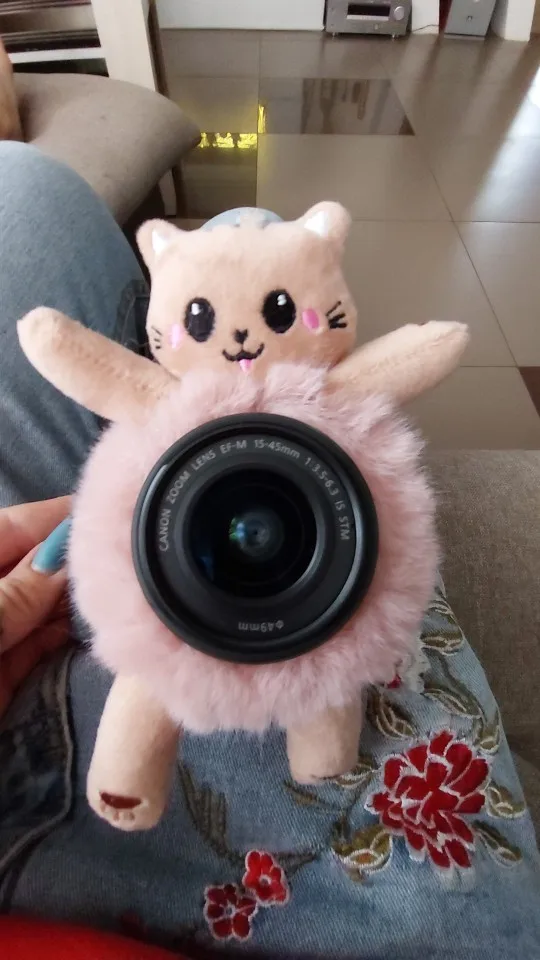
(310, 319)
(176, 335)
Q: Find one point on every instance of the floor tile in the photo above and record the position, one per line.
(317, 55)
(225, 103)
(219, 174)
(281, 36)
(210, 53)
(450, 59)
(479, 408)
(507, 257)
(531, 376)
(376, 178)
(443, 111)
(329, 106)
(484, 179)
(414, 272)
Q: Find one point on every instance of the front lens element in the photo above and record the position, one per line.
(252, 533)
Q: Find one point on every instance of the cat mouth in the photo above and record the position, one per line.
(244, 357)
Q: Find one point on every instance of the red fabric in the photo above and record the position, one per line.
(23, 939)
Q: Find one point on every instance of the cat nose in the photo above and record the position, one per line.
(240, 335)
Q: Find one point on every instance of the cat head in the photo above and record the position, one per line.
(245, 297)
(236, 301)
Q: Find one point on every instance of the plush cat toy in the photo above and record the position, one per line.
(241, 319)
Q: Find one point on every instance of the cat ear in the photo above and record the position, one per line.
(404, 363)
(153, 238)
(327, 220)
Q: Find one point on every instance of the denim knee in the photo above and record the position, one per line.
(37, 191)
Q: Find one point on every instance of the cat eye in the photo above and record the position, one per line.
(279, 311)
(199, 319)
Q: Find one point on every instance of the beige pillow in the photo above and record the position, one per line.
(10, 124)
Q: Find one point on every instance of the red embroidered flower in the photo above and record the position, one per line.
(427, 790)
(229, 912)
(265, 879)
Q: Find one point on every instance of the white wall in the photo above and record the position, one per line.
(242, 14)
(536, 20)
(513, 19)
(123, 34)
(425, 16)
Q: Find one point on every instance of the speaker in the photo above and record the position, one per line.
(390, 17)
(470, 18)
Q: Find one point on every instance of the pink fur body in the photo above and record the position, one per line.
(198, 691)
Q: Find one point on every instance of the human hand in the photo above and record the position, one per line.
(34, 610)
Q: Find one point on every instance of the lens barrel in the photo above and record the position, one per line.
(255, 538)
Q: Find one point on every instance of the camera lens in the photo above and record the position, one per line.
(256, 533)
(255, 538)
(252, 533)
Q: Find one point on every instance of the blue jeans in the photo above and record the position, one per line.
(355, 874)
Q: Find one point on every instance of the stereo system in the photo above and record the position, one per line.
(372, 16)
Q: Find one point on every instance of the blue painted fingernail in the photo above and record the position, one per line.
(51, 555)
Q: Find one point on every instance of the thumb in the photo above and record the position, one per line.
(27, 599)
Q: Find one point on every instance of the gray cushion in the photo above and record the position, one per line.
(489, 510)
(120, 137)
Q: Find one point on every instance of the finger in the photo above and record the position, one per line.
(26, 524)
(64, 609)
(27, 600)
(18, 662)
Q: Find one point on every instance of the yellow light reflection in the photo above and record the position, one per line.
(247, 141)
(228, 141)
(261, 118)
(224, 141)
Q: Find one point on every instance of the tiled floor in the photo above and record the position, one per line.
(434, 147)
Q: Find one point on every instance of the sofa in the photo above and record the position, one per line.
(120, 137)
(489, 517)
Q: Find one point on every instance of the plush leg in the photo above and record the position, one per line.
(129, 777)
(327, 746)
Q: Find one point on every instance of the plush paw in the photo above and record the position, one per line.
(312, 778)
(124, 812)
(116, 808)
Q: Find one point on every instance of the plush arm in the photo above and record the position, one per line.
(98, 373)
(404, 363)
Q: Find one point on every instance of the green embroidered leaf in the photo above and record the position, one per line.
(387, 717)
(454, 700)
(453, 696)
(359, 776)
(440, 606)
(499, 847)
(501, 803)
(208, 811)
(368, 850)
(446, 641)
(304, 796)
(487, 736)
